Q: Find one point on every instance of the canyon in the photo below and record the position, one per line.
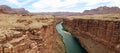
(29, 34)
(98, 34)
(25, 32)
(37, 33)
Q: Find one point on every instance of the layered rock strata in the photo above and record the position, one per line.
(97, 35)
(29, 34)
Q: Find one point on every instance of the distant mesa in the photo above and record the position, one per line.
(8, 10)
(102, 10)
(99, 10)
(59, 13)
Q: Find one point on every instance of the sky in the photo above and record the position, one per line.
(59, 5)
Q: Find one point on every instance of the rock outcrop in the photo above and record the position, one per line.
(8, 10)
(29, 34)
(97, 35)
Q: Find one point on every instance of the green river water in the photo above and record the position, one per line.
(71, 43)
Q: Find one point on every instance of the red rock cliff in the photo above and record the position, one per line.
(96, 35)
(29, 34)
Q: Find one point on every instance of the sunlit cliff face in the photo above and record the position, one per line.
(97, 33)
(29, 34)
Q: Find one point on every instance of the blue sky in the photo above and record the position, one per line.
(59, 5)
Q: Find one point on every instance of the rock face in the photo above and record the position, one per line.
(29, 34)
(96, 35)
(7, 9)
(102, 10)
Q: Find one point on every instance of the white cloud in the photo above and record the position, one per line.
(115, 3)
(20, 4)
(13, 1)
(66, 5)
(94, 2)
(55, 3)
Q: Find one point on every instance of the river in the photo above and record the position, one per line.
(71, 43)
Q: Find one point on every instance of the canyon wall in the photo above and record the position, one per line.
(96, 35)
(29, 34)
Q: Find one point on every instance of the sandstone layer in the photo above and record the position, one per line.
(29, 34)
(97, 33)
